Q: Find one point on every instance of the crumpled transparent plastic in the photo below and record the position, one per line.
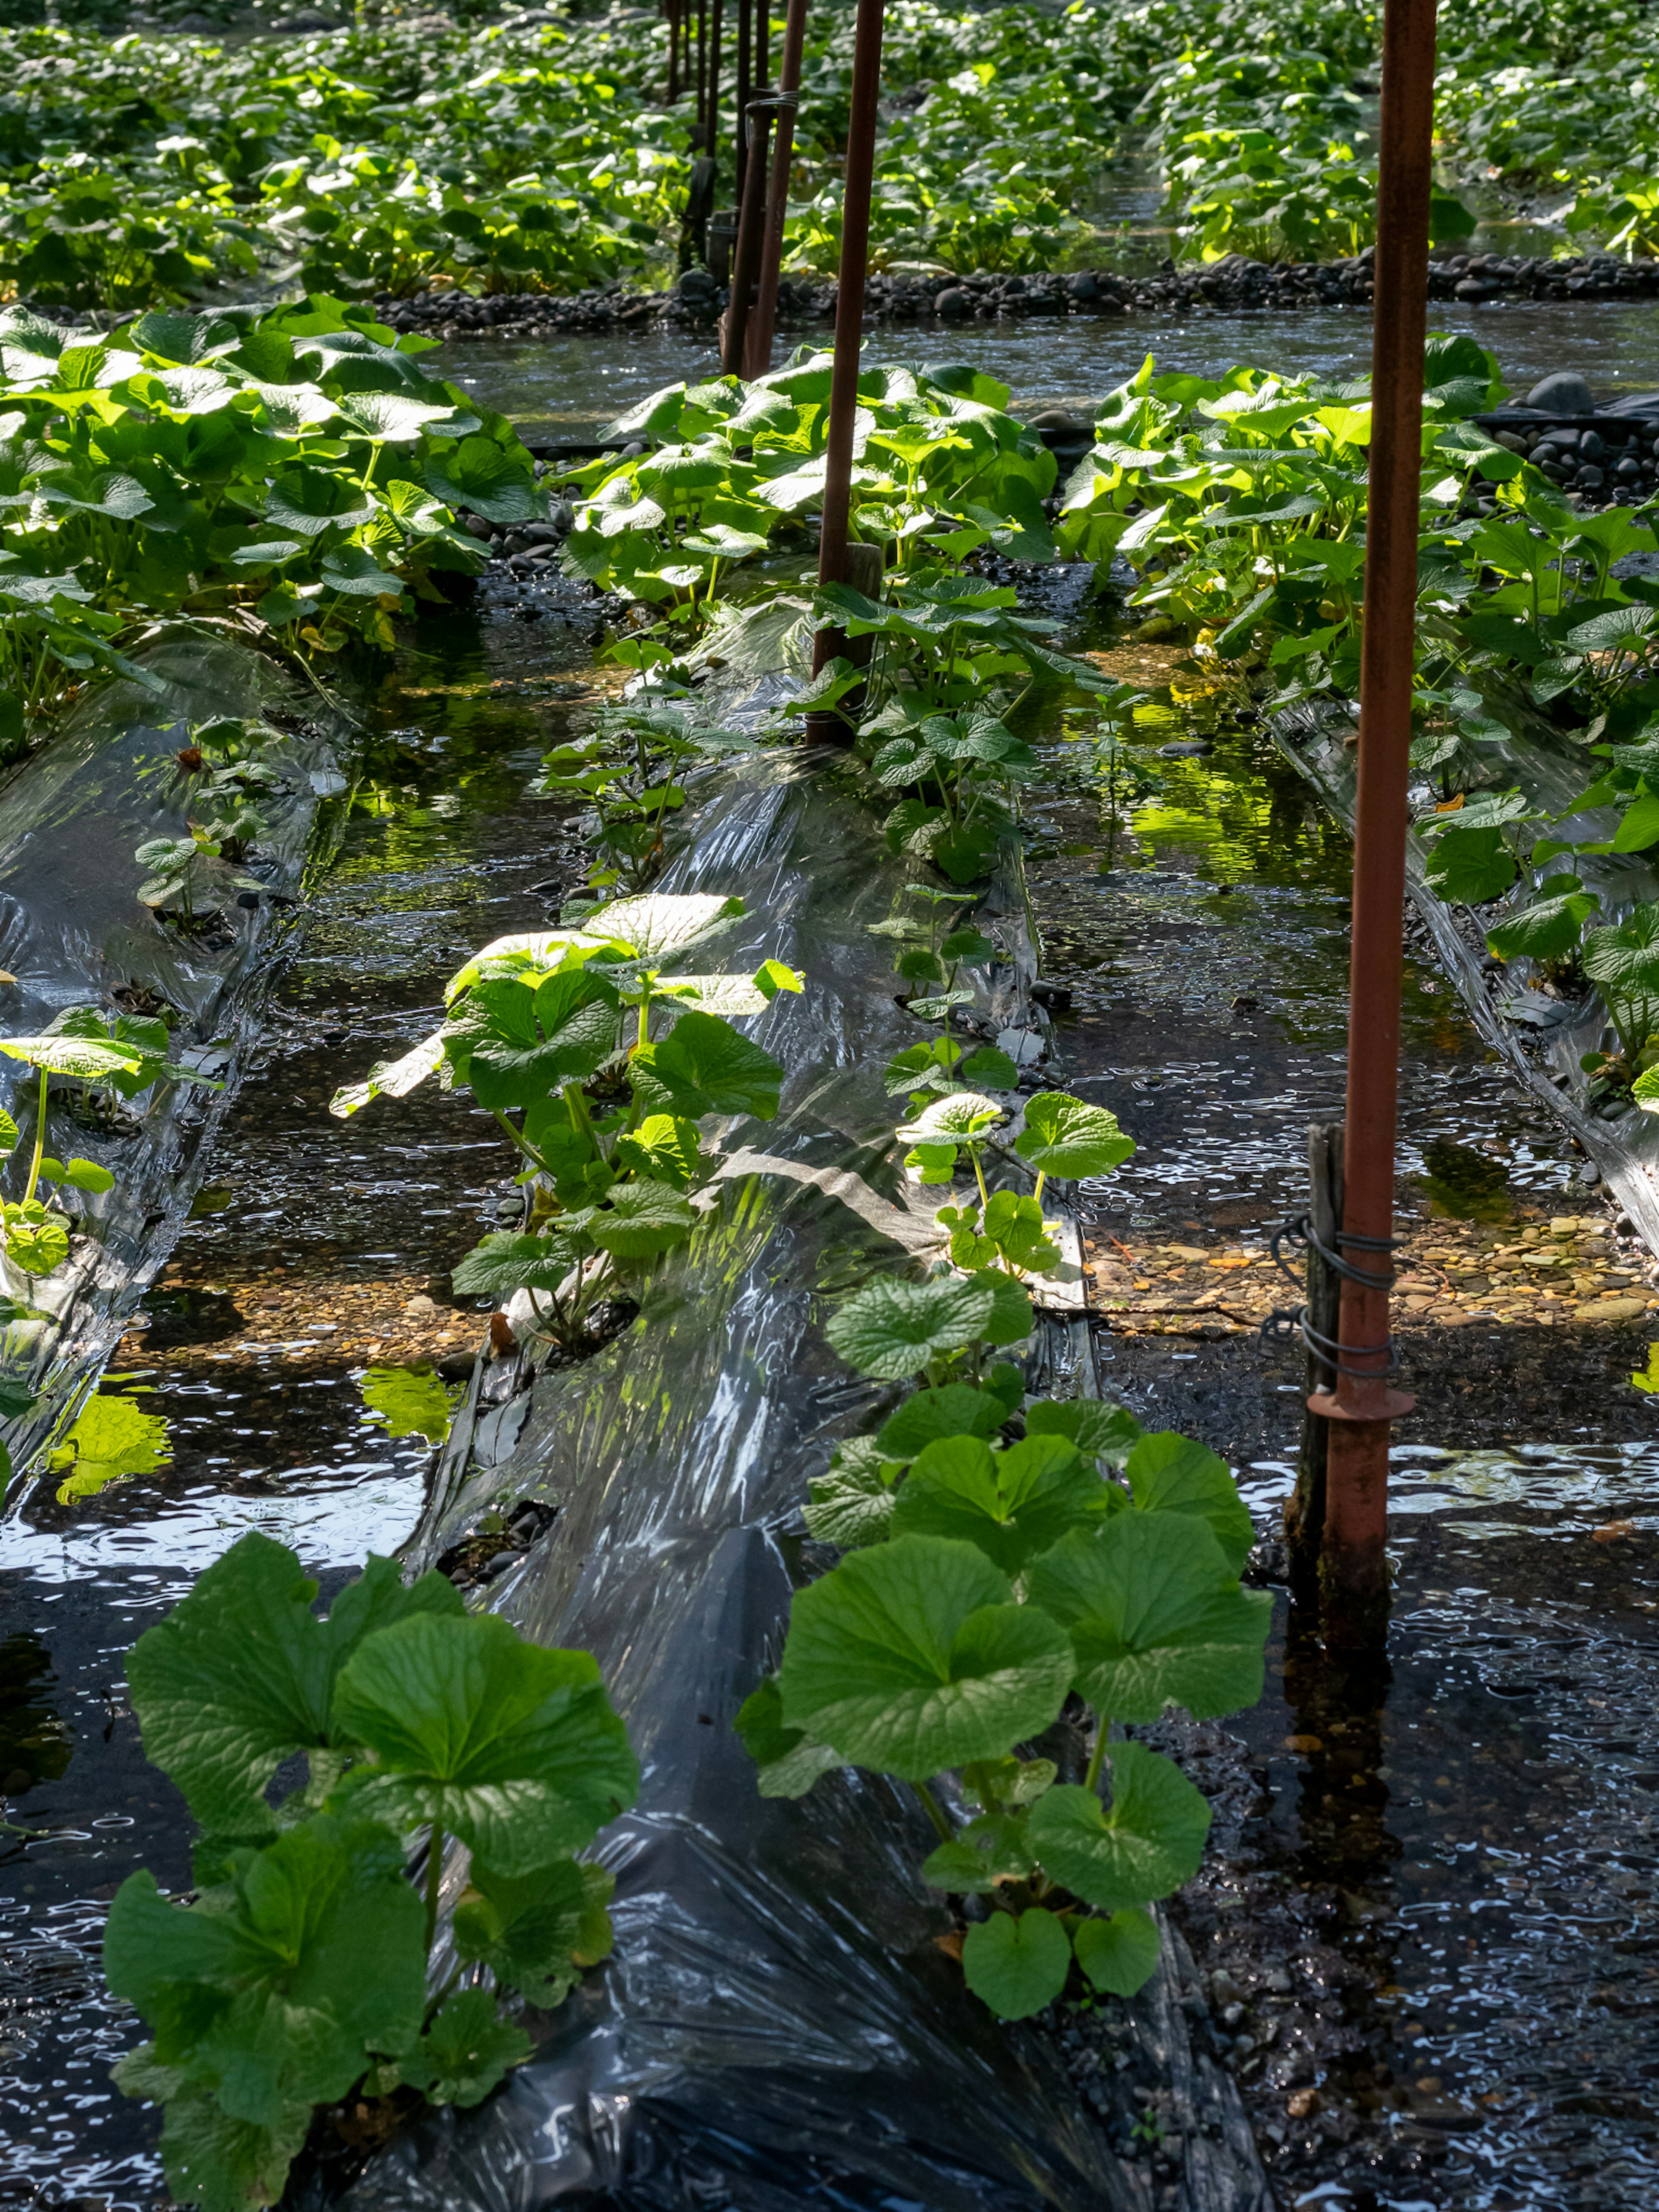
(72, 931)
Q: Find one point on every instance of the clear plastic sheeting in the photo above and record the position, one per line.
(779, 2026)
(73, 932)
(1543, 1038)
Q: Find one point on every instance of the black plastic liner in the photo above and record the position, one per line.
(778, 2026)
(1542, 1038)
(72, 932)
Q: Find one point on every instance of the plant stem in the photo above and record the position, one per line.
(435, 1870)
(39, 1140)
(1102, 1728)
(936, 1813)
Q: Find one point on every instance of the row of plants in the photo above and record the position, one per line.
(291, 471)
(1021, 1579)
(1240, 504)
(502, 157)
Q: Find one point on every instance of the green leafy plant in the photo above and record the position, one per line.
(302, 1971)
(990, 1575)
(558, 1030)
(626, 771)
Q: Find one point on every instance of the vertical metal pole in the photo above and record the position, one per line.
(740, 136)
(822, 728)
(674, 11)
(763, 320)
(1353, 1570)
(745, 261)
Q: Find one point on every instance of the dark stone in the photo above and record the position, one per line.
(1592, 446)
(697, 284)
(1589, 479)
(952, 303)
(1082, 286)
(1564, 393)
(1477, 288)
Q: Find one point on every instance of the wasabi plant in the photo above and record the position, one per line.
(302, 1970)
(996, 1566)
(598, 1062)
(124, 1053)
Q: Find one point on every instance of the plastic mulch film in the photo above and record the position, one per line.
(778, 2026)
(1543, 1037)
(72, 932)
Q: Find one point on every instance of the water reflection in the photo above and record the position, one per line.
(113, 1438)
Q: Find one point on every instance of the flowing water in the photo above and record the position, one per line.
(565, 388)
(1450, 1868)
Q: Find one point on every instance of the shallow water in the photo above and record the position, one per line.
(1201, 930)
(566, 387)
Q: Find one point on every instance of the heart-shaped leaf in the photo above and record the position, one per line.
(890, 1329)
(853, 1504)
(1063, 1136)
(703, 1066)
(312, 1958)
(512, 1748)
(1098, 1430)
(911, 1657)
(1011, 1504)
(465, 2051)
(510, 1261)
(1144, 1846)
(1156, 1617)
(958, 1410)
(1017, 1963)
(641, 1220)
(513, 1044)
(536, 1931)
(1169, 1473)
(1119, 1955)
(240, 1674)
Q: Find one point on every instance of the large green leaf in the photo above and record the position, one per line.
(240, 1674)
(465, 2051)
(536, 1931)
(703, 1066)
(477, 473)
(1119, 1955)
(911, 1657)
(513, 1045)
(852, 1503)
(61, 1053)
(510, 1261)
(1013, 1503)
(890, 1329)
(225, 2164)
(639, 1220)
(1063, 1136)
(1169, 1473)
(309, 501)
(1145, 1846)
(1550, 925)
(1156, 1617)
(958, 1410)
(513, 1749)
(1098, 1430)
(1017, 1962)
(309, 1962)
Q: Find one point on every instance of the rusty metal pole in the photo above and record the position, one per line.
(1353, 1568)
(821, 727)
(764, 319)
(745, 262)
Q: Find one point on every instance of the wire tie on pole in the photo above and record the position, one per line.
(1298, 1231)
(1286, 1325)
